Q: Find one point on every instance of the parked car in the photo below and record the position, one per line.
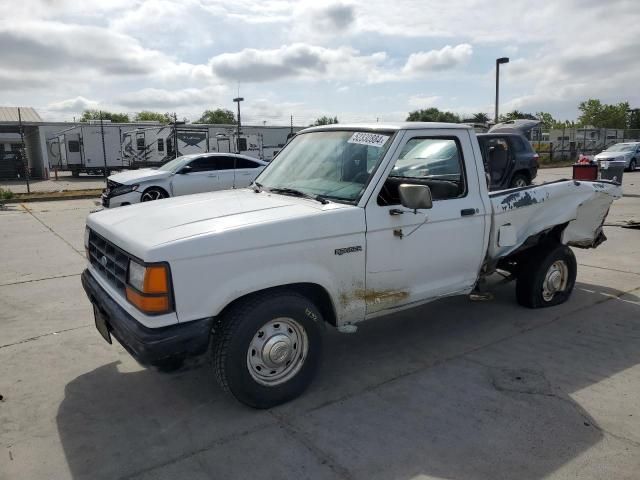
(509, 158)
(338, 229)
(629, 152)
(184, 175)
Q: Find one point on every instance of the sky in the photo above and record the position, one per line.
(358, 60)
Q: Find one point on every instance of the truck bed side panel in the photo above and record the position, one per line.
(529, 211)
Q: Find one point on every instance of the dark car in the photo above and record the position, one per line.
(509, 158)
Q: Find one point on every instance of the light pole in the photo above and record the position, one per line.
(238, 100)
(498, 62)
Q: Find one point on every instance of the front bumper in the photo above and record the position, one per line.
(149, 346)
(125, 199)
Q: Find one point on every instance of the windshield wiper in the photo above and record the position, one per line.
(297, 193)
(257, 187)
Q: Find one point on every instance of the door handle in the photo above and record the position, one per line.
(212, 175)
(466, 212)
(395, 211)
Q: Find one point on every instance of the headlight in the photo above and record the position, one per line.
(122, 189)
(148, 287)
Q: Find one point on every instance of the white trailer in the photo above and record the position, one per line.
(156, 145)
(80, 149)
(225, 140)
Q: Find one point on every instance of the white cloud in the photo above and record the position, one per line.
(423, 101)
(297, 61)
(53, 46)
(446, 58)
(159, 99)
(77, 104)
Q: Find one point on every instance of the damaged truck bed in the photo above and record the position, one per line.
(576, 209)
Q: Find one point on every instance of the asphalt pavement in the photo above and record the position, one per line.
(455, 389)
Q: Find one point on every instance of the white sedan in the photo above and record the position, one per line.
(185, 175)
(628, 152)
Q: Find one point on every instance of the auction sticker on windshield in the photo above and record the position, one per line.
(370, 139)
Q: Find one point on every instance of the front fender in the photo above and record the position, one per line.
(204, 286)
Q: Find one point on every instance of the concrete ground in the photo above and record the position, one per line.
(64, 182)
(452, 390)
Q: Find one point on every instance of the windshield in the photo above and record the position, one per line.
(175, 164)
(333, 164)
(620, 147)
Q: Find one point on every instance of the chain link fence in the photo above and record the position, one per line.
(563, 145)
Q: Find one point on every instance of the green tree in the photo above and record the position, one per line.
(601, 115)
(324, 120)
(516, 115)
(147, 116)
(88, 115)
(219, 115)
(480, 117)
(433, 115)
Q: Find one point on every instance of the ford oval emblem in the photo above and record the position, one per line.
(103, 261)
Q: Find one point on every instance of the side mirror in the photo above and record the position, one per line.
(185, 169)
(415, 197)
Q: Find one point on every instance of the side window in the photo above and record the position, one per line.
(434, 162)
(74, 146)
(140, 144)
(204, 164)
(246, 163)
(225, 163)
(160, 145)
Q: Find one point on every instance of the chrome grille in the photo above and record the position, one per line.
(111, 261)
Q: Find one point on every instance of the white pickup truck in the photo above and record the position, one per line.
(348, 223)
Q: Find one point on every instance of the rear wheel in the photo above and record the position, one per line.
(153, 193)
(519, 180)
(266, 349)
(547, 277)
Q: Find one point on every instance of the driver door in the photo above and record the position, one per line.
(416, 256)
(201, 177)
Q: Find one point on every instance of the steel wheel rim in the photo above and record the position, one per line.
(151, 195)
(277, 351)
(555, 280)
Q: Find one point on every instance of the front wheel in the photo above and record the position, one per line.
(266, 349)
(632, 165)
(153, 193)
(547, 277)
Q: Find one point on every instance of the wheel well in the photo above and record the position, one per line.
(157, 188)
(314, 292)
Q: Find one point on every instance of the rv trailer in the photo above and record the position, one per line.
(148, 147)
(79, 149)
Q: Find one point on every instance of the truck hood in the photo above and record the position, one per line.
(183, 227)
(130, 177)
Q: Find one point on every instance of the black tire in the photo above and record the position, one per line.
(632, 165)
(239, 327)
(153, 193)
(519, 180)
(75, 173)
(530, 284)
